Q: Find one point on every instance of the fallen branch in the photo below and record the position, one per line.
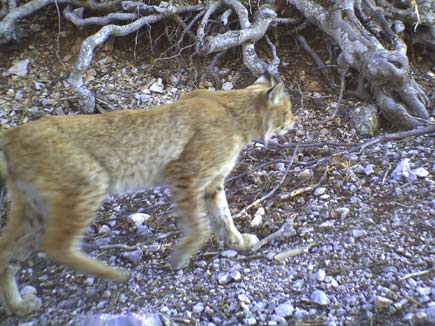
(294, 252)
(286, 230)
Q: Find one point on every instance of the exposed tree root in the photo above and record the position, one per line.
(368, 32)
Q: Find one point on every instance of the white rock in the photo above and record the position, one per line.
(227, 86)
(134, 256)
(424, 290)
(236, 276)
(224, 278)
(320, 297)
(198, 308)
(319, 191)
(421, 172)
(403, 169)
(320, 275)
(139, 218)
(251, 321)
(19, 69)
(258, 217)
(359, 233)
(284, 309)
(230, 253)
(89, 281)
(342, 211)
(382, 302)
(243, 298)
(157, 87)
(104, 229)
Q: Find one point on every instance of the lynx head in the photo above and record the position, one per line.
(274, 108)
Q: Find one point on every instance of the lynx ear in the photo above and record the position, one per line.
(266, 78)
(275, 94)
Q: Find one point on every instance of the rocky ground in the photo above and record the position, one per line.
(358, 246)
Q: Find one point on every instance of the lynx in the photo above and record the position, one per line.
(57, 171)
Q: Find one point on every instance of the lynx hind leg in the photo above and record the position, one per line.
(70, 212)
(20, 237)
(221, 221)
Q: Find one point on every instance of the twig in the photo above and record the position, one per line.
(355, 268)
(294, 251)
(303, 42)
(270, 193)
(120, 246)
(286, 230)
(416, 274)
(343, 73)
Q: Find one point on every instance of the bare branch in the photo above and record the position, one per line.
(86, 98)
(7, 24)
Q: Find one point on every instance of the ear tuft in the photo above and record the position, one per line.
(275, 94)
(266, 78)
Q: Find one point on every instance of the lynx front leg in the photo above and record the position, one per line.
(221, 220)
(195, 227)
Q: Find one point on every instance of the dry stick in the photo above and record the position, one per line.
(355, 268)
(286, 229)
(416, 274)
(294, 251)
(386, 137)
(343, 73)
(270, 193)
(303, 42)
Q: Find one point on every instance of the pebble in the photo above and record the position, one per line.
(138, 218)
(104, 229)
(243, 298)
(134, 256)
(359, 233)
(403, 169)
(424, 291)
(258, 217)
(320, 275)
(10, 92)
(421, 172)
(89, 281)
(430, 312)
(227, 86)
(157, 87)
(19, 69)
(342, 211)
(251, 321)
(319, 191)
(320, 297)
(382, 302)
(198, 308)
(128, 319)
(230, 253)
(284, 309)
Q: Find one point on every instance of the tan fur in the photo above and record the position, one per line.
(57, 171)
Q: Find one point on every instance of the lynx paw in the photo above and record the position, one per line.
(178, 260)
(29, 304)
(242, 241)
(249, 241)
